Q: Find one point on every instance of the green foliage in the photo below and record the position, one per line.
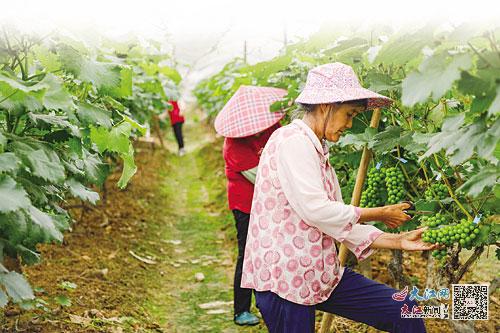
(67, 113)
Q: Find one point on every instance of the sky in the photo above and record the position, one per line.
(207, 34)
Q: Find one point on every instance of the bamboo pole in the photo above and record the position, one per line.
(365, 265)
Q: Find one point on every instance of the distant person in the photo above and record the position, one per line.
(247, 123)
(176, 120)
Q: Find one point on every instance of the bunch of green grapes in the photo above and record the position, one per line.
(433, 221)
(463, 233)
(372, 195)
(437, 191)
(439, 254)
(394, 182)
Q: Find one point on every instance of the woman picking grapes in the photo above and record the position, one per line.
(297, 215)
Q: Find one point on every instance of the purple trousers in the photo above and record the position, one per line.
(355, 297)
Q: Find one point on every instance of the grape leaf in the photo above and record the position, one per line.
(12, 196)
(433, 79)
(78, 190)
(53, 119)
(43, 162)
(45, 222)
(9, 162)
(495, 105)
(91, 115)
(56, 97)
(129, 168)
(485, 178)
(102, 75)
(115, 140)
(16, 286)
(95, 170)
(3, 299)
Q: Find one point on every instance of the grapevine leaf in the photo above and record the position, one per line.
(423, 205)
(380, 82)
(386, 140)
(43, 162)
(437, 114)
(433, 78)
(48, 59)
(358, 140)
(53, 119)
(403, 48)
(12, 196)
(3, 299)
(495, 105)
(487, 177)
(116, 140)
(453, 123)
(470, 137)
(124, 88)
(129, 168)
(56, 97)
(28, 256)
(17, 287)
(472, 85)
(135, 124)
(14, 93)
(45, 222)
(102, 75)
(78, 190)
(95, 170)
(9, 162)
(90, 114)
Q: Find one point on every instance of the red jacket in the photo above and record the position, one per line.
(175, 113)
(241, 154)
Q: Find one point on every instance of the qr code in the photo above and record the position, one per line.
(470, 302)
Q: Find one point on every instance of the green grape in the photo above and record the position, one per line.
(372, 196)
(447, 235)
(436, 191)
(394, 182)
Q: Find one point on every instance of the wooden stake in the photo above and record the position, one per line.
(365, 265)
(159, 133)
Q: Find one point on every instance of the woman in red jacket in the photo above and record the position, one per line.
(247, 124)
(177, 120)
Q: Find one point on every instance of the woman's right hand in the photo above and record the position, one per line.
(393, 215)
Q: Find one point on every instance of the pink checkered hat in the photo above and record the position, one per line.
(337, 82)
(247, 112)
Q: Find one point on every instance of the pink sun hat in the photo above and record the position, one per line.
(337, 82)
(247, 112)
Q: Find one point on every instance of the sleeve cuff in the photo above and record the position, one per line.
(362, 237)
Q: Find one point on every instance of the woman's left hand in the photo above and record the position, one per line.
(412, 241)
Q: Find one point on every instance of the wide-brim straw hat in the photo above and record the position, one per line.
(337, 82)
(248, 111)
